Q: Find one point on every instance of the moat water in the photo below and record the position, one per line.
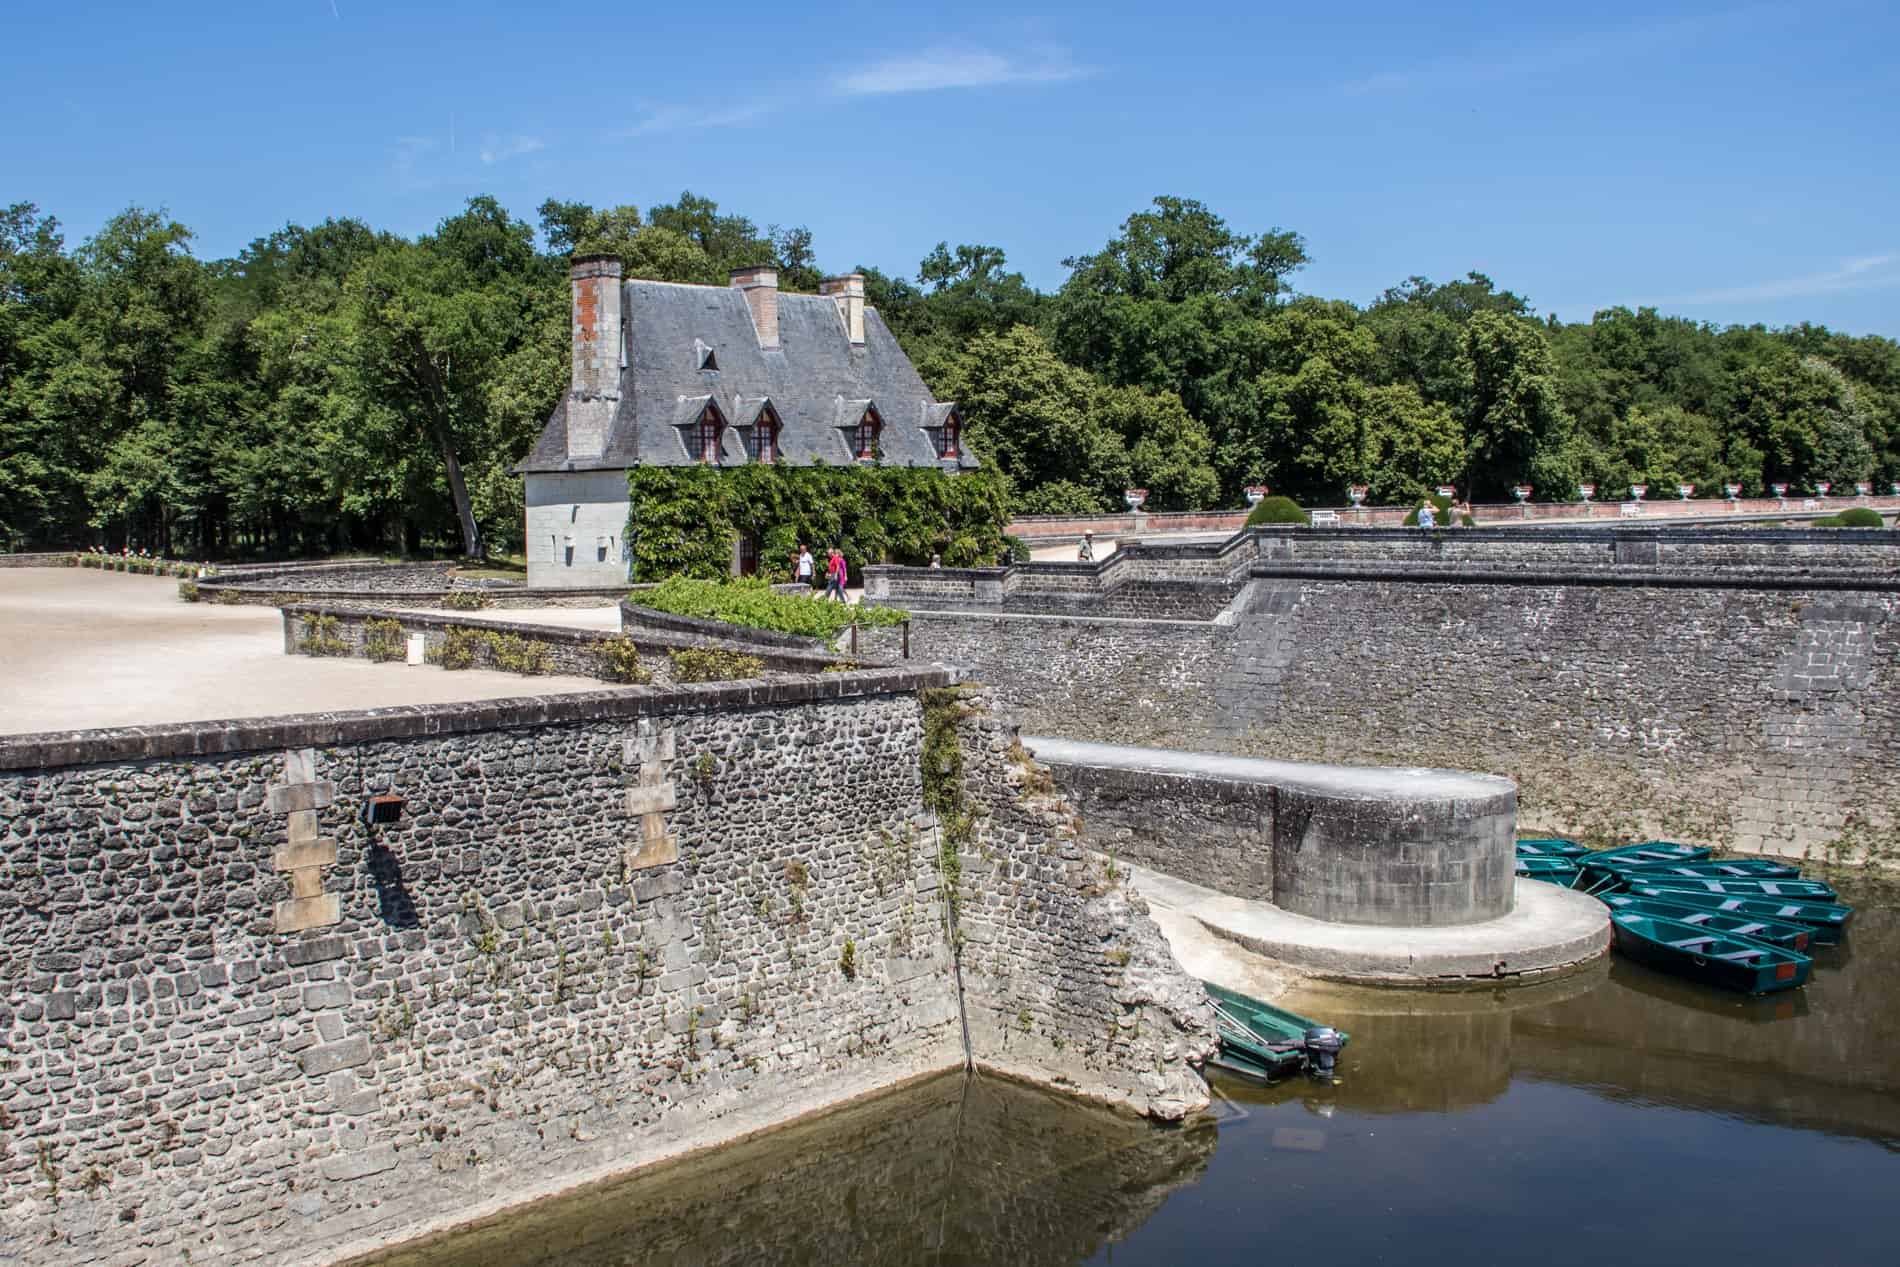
(1615, 1117)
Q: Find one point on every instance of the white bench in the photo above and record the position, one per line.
(1632, 510)
(1326, 517)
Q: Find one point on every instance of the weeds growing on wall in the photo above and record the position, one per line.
(684, 519)
(383, 641)
(619, 660)
(752, 602)
(188, 591)
(944, 796)
(458, 648)
(713, 664)
(467, 600)
(320, 637)
(511, 653)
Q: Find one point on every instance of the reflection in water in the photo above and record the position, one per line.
(1615, 1116)
(954, 1171)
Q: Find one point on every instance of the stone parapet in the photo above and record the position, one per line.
(1396, 847)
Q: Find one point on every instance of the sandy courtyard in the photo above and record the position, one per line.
(82, 649)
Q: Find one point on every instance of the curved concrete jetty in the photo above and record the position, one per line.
(1392, 847)
(1550, 930)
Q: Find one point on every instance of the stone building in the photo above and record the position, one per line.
(674, 375)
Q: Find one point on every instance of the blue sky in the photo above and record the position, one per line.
(1725, 162)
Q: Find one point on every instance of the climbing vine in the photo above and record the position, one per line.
(683, 519)
(944, 794)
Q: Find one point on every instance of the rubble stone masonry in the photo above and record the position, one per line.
(242, 1023)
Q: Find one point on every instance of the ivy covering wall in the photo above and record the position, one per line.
(684, 519)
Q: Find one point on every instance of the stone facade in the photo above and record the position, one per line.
(241, 1021)
(576, 529)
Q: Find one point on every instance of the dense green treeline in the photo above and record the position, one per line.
(335, 387)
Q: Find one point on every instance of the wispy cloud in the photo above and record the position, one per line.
(1579, 48)
(1869, 272)
(957, 68)
(680, 118)
(929, 72)
(499, 149)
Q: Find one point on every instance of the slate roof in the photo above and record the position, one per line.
(817, 383)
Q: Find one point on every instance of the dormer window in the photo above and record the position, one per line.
(703, 355)
(762, 438)
(869, 427)
(947, 437)
(708, 437)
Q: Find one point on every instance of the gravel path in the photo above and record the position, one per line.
(82, 649)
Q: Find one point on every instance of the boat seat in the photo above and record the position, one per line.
(1740, 956)
(1692, 943)
(1700, 917)
(1750, 929)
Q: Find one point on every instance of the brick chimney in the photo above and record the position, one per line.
(760, 284)
(594, 392)
(848, 293)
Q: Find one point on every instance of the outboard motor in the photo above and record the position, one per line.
(1322, 1050)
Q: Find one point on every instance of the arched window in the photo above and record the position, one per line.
(709, 437)
(868, 428)
(947, 437)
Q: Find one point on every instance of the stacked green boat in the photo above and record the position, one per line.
(1264, 1043)
(1739, 923)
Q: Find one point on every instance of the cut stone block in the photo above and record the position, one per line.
(651, 800)
(320, 852)
(296, 914)
(654, 852)
(289, 798)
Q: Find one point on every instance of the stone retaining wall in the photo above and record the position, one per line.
(55, 559)
(1754, 712)
(570, 651)
(241, 1022)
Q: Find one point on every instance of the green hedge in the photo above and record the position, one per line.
(752, 602)
(1277, 510)
(1853, 517)
(683, 519)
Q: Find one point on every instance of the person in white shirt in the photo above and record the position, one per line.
(804, 565)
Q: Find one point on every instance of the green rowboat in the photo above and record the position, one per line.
(1795, 890)
(1551, 870)
(1551, 847)
(1719, 959)
(1264, 1042)
(1648, 851)
(1725, 869)
(1774, 932)
(1828, 920)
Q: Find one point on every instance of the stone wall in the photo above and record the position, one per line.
(343, 631)
(57, 559)
(239, 1021)
(1062, 971)
(1397, 848)
(1755, 712)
